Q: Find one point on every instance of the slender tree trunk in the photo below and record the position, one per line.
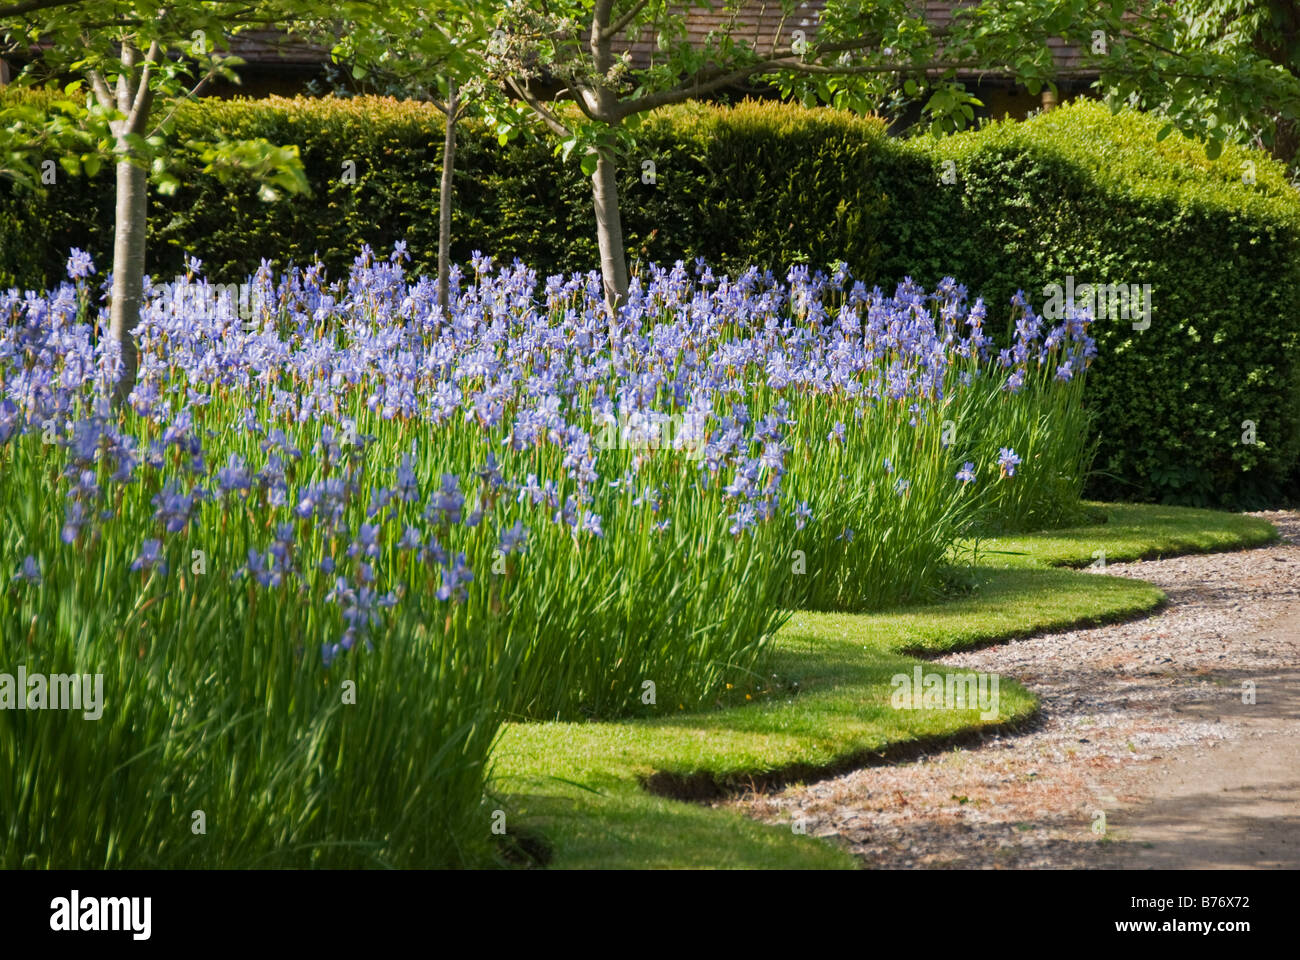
(600, 104)
(609, 226)
(134, 99)
(444, 196)
(128, 268)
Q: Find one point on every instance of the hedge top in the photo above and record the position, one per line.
(1123, 153)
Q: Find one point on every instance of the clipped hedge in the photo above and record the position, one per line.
(1072, 192)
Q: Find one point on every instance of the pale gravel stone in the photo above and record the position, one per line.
(1112, 696)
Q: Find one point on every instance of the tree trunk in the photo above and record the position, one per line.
(444, 196)
(128, 268)
(609, 226)
(134, 101)
(600, 105)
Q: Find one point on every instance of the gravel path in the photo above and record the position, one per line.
(1145, 755)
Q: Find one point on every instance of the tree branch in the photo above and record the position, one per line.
(717, 81)
(940, 65)
(100, 86)
(124, 92)
(194, 92)
(552, 121)
(143, 94)
(580, 98)
(617, 27)
(34, 6)
(600, 53)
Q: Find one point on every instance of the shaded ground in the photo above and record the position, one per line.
(1146, 755)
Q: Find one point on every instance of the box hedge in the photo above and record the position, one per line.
(1015, 205)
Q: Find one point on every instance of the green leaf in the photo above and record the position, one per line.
(589, 164)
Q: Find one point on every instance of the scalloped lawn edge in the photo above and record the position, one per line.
(1131, 532)
(609, 795)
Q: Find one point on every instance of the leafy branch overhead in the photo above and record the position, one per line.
(134, 64)
(863, 56)
(570, 61)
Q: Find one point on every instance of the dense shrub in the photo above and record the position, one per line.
(1076, 192)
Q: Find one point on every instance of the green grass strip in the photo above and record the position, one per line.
(585, 789)
(1130, 532)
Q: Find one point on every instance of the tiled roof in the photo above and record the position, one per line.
(273, 47)
(760, 22)
(262, 47)
(763, 24)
